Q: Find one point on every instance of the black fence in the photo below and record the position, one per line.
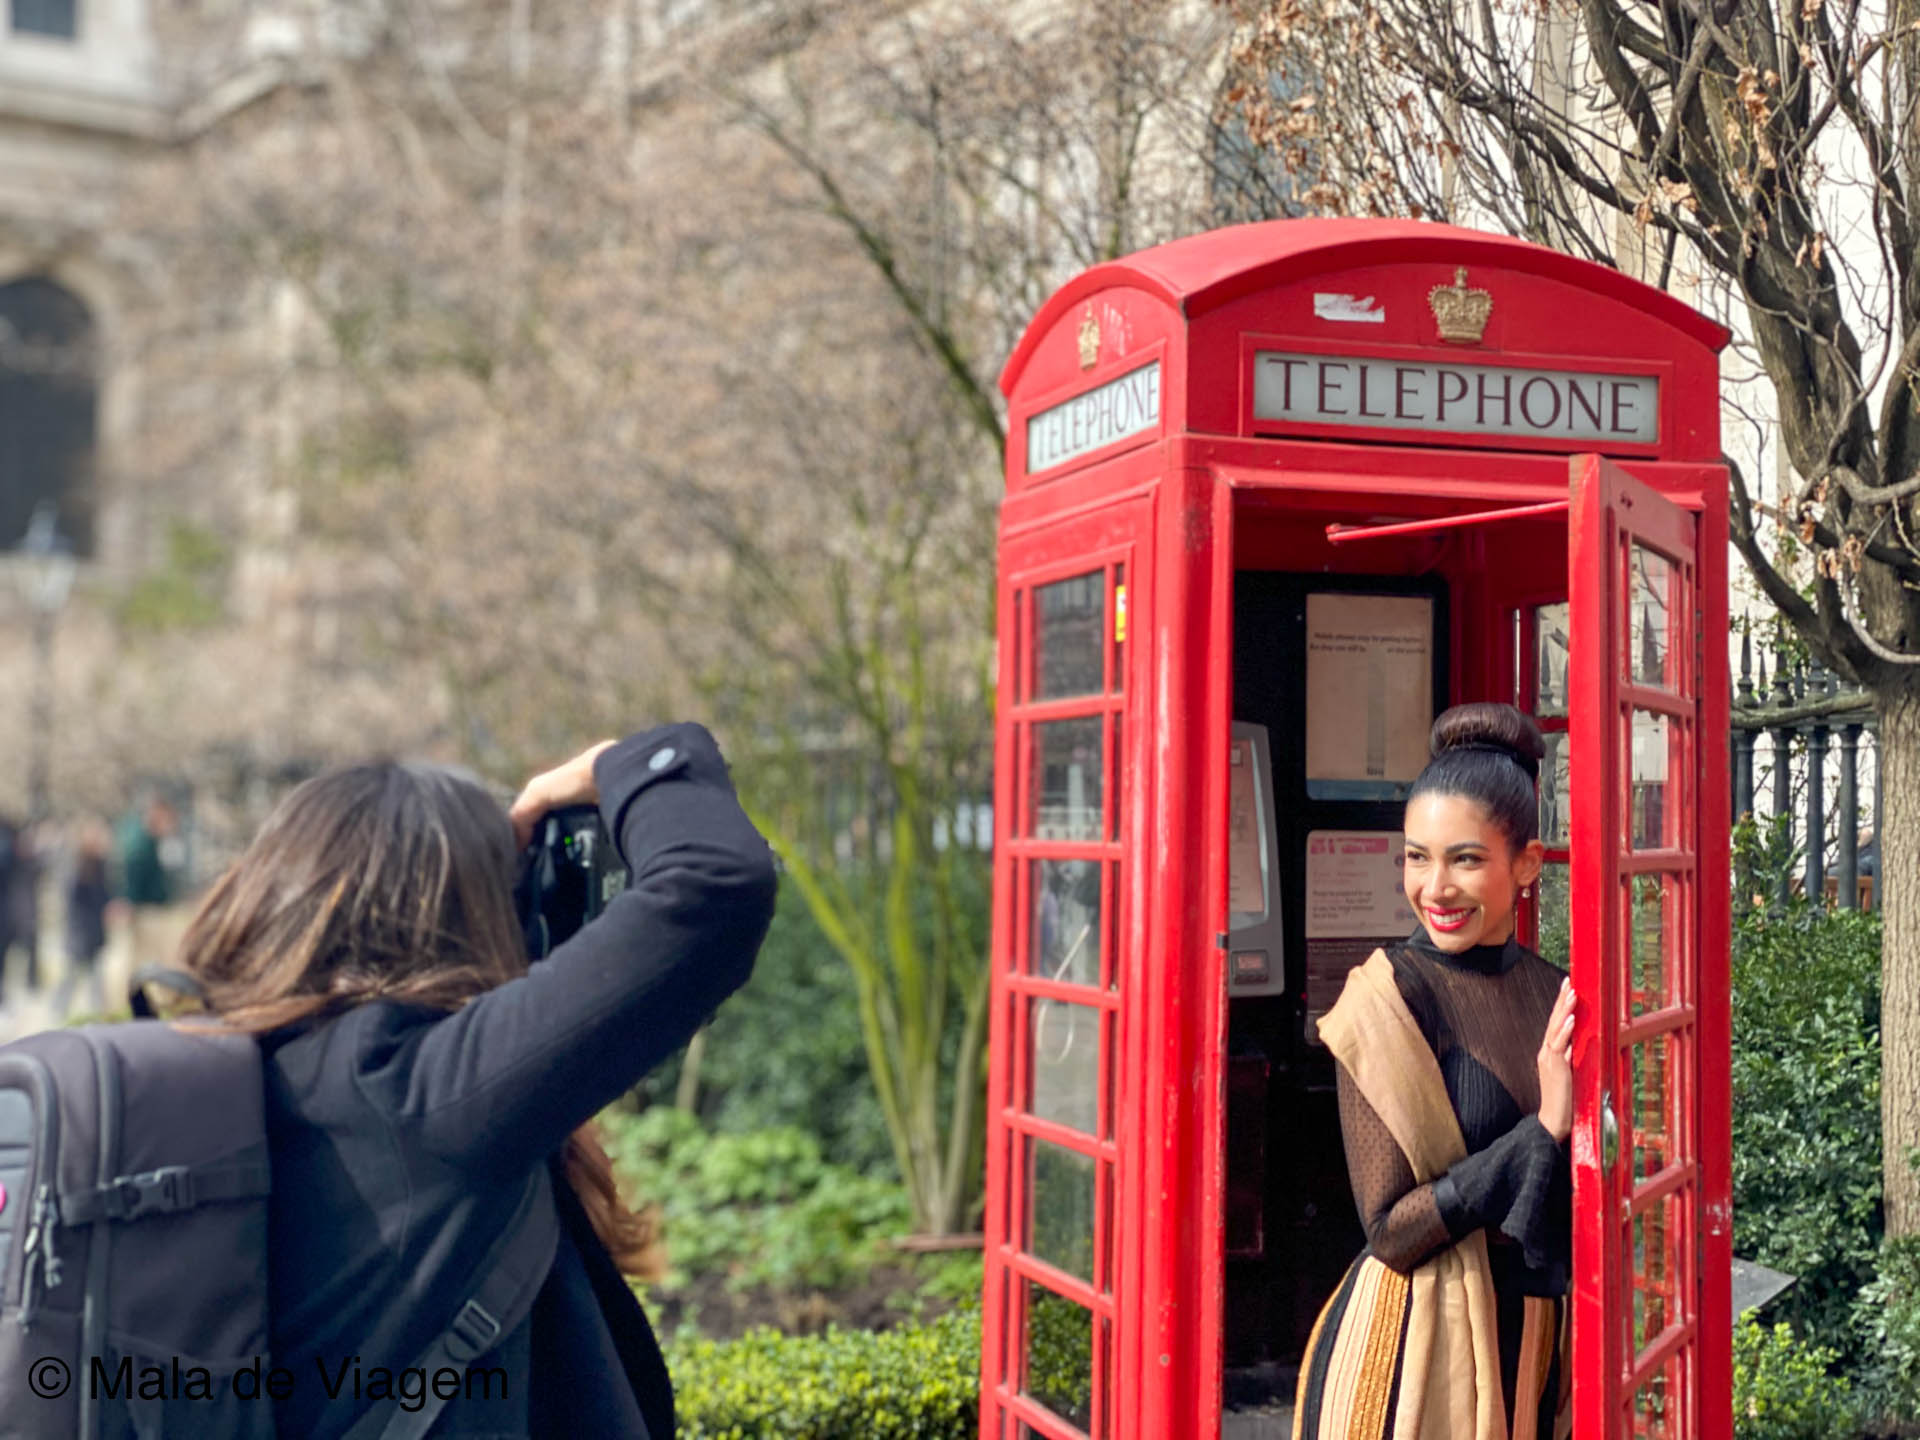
(1804, 747)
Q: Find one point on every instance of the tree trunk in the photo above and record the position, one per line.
(1899, 902)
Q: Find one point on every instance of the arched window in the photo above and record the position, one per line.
(47, 405)
(53, 18)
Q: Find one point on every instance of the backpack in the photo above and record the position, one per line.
(134, 1177)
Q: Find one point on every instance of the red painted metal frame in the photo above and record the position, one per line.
(1611, 513)
(1343, 534)
(1185, 504)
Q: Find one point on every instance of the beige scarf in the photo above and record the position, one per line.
(1450, 1385)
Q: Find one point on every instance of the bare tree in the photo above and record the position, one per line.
(1767, 155)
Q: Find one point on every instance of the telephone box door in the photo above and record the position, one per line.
(1644, 1357)
(1065, 957)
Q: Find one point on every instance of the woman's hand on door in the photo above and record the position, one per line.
(1555, 1063)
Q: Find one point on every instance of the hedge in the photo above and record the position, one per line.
(914, 1382)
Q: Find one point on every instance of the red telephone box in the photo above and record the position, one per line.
(1276, 495)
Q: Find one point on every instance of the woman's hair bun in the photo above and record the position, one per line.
(1486, 726)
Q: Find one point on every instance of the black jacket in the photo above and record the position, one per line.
(401, 1138)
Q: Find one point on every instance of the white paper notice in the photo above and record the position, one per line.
(1353, 885)
(1369, 693)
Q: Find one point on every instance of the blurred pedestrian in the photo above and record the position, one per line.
(89, 896)
(143, 881)
(22, 899)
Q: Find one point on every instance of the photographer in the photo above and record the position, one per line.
(419, 1072)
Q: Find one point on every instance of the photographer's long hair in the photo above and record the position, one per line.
(384, 881)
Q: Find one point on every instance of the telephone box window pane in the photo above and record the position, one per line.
(1649, 630)
(1653, 1273)
(1065, 1064)
(1652, 903)
(1069, 635)
(1550, 630)
(1647, 800)
(1121, 596)
(1556, 791)
(1068, 790)
(1553, 932)
(1059, 1359)
(1065, 944)
(1119, 769)
(1656, 1407)
(1651, 1073)
(1060, 1208)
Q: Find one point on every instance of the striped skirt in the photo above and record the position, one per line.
(1350, 1376)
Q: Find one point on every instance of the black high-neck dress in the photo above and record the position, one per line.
(1484, 1013)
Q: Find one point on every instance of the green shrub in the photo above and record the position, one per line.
(1782, 1391)
(1887, 1319)
(1806, 1109)
(762, 1208)
(786, 1050)
(919, 1381)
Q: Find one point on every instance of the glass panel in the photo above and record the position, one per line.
(1059, 1358)
(1653, 1273)
(1060, 1208)
(1114, 920)
(1556, 791)
(1065, 1064)
(1656, 1407)
(1649, 632)
(1647, 800)
(1121, 596)
(1116, 769)
(1654, 899)
(1650, 1110)
(1068, 788)
(1069, 632)
(1550, 631)
(1065, 944)
(1551, 908)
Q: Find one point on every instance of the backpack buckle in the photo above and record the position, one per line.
(475, 1330)
(156, 1192)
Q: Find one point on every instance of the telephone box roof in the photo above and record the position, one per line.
(1207, 270)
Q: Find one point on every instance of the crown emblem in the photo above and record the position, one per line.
(1462, 313)
(1089, 341)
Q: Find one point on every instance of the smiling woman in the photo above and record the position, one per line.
(1455, 1105)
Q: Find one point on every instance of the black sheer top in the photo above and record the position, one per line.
(1484, 1012)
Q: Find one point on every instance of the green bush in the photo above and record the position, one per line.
(762, 1208)
(919, 1381)
(913, 1380)
(1887, 1319)
(786, 1050)
(1782, 1391)
(1806, 1109)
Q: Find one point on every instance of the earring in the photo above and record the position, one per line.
(1525, 891)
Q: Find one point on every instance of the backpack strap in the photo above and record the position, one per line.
(166, 1190)
(511, 1277)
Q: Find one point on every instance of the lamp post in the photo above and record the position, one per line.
(46, 578)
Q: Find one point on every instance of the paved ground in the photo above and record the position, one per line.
(24, 1010)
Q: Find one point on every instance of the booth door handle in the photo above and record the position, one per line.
(1609, 1135)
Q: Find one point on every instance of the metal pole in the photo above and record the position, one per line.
(1816, 814)
(1743, 737)
(1849, 817)
(40, 719)
(1782, 770)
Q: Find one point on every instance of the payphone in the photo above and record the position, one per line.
(1277, 495)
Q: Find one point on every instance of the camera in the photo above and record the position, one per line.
(568, 874)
